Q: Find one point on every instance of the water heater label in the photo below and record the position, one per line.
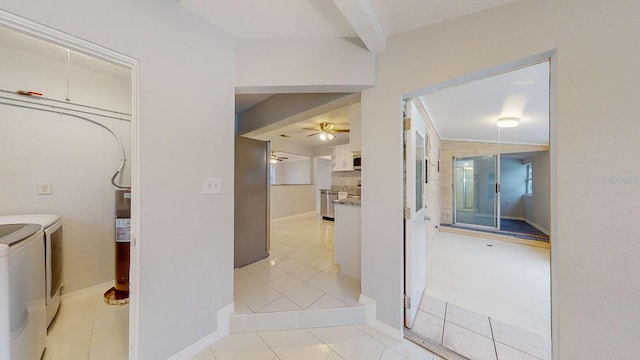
(123, 230)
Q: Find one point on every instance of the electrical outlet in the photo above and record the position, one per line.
(44, 188)
(212, 186)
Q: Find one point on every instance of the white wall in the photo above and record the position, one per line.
(512, 187)
(77, 157)
(187, 127)
(536, 207)
(289, 200)
(592, 241)
(303, 65)
(293, 172)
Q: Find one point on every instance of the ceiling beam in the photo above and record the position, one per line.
(364, 21)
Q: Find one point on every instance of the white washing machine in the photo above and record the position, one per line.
(53, 254)
(23, 328)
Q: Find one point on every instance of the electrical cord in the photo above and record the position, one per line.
(122, 152)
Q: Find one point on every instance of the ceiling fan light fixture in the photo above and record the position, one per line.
(323, 136)
(330, 136)
(508, 122)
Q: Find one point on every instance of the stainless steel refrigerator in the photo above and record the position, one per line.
(251, 193)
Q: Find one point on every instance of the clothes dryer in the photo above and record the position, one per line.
(23, 328)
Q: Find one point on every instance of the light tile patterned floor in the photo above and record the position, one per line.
(87, 328)
(333, 343)
(477, 336)
(299, 274)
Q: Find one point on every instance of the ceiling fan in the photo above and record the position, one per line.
(326, 131)
(275, 158)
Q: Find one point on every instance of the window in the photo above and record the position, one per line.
(529, 180)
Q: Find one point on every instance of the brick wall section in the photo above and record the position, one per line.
(433, 192)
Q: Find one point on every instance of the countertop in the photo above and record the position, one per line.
(353, 201)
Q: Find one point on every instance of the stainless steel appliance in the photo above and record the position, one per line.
(357, 162)
(326, 203)
(251, 198)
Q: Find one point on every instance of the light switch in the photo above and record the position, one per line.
(212, 185)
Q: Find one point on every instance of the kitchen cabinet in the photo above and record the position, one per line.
(347, 238)
(342, 158)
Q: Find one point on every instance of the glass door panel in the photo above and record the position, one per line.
(475, 191)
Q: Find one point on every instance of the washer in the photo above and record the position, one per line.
(23, 328)
(53, 254)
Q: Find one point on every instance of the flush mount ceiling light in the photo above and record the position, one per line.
(508, 122)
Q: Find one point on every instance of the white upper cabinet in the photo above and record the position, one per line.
(342, 158)
(355, 128)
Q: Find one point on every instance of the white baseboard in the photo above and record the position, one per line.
(205, 342)
(512, 218)
(372, 320)
(290, 217)
(545, 231)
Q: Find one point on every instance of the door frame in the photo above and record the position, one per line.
(412, 214)
(551, 56)
(30, 28)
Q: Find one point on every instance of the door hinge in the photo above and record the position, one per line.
(407, 302)
(406, 213)
(407, 124)
(134, 241)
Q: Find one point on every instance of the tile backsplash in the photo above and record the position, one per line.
(345, 178)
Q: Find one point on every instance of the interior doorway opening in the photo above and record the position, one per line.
(60, 101)
(470, 208)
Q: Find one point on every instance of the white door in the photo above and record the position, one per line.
(415, 142)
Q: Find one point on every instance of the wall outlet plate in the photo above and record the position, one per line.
(212, 185)
(44, 188)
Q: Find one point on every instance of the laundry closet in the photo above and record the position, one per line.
(65, 150)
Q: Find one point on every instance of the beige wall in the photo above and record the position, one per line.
(594, 131)
(452, 149)
(289, 200)
(536, 207)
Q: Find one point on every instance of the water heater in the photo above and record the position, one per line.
(119, 294)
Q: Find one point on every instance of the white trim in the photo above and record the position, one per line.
(296, 216)
(540, 228)
(372, 320)
(45, 33)
(553, 181)
(223, 330)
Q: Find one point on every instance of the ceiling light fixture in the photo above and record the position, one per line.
(508, 122)
(326, 136)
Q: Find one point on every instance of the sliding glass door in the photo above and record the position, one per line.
(475, 191)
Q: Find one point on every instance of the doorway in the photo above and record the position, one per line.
(51, 101)
(463, 312)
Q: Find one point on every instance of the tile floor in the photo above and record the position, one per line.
(332, 343)
(87, 328)
(299, 274)
(477, 336)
